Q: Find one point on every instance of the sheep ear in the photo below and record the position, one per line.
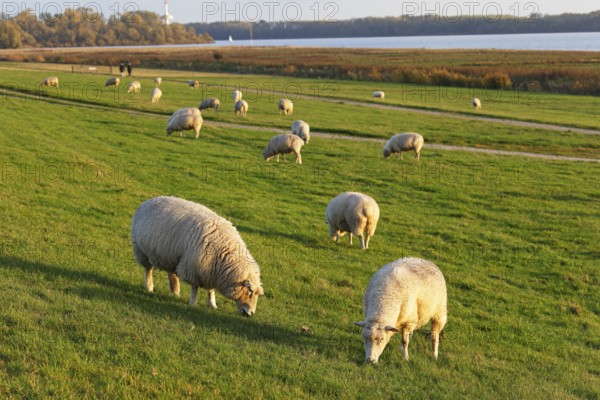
(361, 324)
(391, 329)
(261, 291)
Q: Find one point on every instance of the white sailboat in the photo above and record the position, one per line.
(230, 38)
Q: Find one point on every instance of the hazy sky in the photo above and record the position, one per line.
(325, 10)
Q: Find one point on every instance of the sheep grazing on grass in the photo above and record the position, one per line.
(193, 243)
(194, 84)
(236, 96)
(284, 144)
(404, 142)
(50, 81)
(286, 106)
(210, 103)
(302, 130)
(134, 87)
(402, 297)
(114, 81)
(379, 95)
(240, 107)
(476, 103)
(157, 81)
(355, 213)
(156, 95)
(185, 119)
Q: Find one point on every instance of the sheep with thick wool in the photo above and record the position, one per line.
(156, 95)
(402, 297)
(476, 103)
(355, 213)
(50, 81)
(404, 142)
(286, 106)
(193, 243)
(134, 87)
(157, 81)
(284, 144)
(185, 119)
(114, 81)
(194, 84)
(210, 103)
(236, 96)
(302, 130)
(240, 107)
(378, 94)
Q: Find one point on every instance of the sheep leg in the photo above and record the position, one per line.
(417, 156)
(194, 295)
(337, 237)
(277, 157)
(212, 301)
(363, 245)
(174, 284)
(298, 158)
(197, 133)
(367, 242)
(180, 133)
(401, 156)
(406, 335)
(436, 327)
(149, 281)
(350, 238)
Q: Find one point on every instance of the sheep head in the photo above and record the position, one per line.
(375, 336)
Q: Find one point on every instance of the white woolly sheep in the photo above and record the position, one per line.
(210, 103)
(194, 84)
(157, 81)
(355, 213)
(476, 103)
(240, 107)
(185, 119)
(402, 297)
(50, 81)
(284, 144)
(114, 81)
(193, 243)
(134, 87)
(379, 95)
(156, 95)
(236, 96)
(404, 142)
(286, 106)
(301, 129)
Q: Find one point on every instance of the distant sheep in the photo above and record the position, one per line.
(210, 103)
(404, 142)
(402, 297)
(284, 144)
(355, 213)
(50, 81)
(156, 95)
(114, 81)
(134, 87)
(286, 106)
(476, 103)
(379, 95)
(236, 96)
(302, 130)
(240, 107)
(194, 84)
(185, 119)
(192, 242)
(157, 81)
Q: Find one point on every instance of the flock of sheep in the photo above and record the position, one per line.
(193, 243)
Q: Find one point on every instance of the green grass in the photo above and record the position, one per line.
(516, 239)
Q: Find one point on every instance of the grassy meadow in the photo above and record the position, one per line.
(516, 238)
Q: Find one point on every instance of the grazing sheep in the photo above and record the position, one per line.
(156, 95)
(194, 84)
(379, 95)
(114, 81)
(210, 103)
(286, 106)
(352, 212)
(50, 81)
(185, 119)
(157, 81)
(403, 296)
(240, 107)
(236, 96)
(284, 144)
(192, 242)
(134, 87)
(301, 129)
(404, 142)
(476, 103)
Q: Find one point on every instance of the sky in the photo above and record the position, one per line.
(185, 11)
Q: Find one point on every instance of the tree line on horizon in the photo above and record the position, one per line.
(85, 27)
(429, 25)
